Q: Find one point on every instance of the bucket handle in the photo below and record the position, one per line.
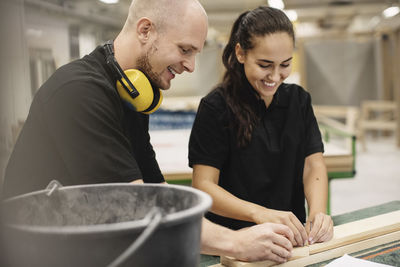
(52, 186)
(154, 216)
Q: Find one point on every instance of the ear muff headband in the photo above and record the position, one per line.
(133, 86)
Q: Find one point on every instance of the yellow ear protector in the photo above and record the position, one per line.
(133, 86)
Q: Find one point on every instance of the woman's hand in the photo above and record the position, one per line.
(321, 226)
(283, 217)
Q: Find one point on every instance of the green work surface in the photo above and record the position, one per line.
(392, 258)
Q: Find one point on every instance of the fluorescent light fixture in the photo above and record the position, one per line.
(276, 4)
(391, 11)
(292, 14)
(109, 1)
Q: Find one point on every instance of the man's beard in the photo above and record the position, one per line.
(144, 65)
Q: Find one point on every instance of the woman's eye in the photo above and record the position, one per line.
(184, 51)
(285, 65)
(264, 66)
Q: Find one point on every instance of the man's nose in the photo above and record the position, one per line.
(189, 64)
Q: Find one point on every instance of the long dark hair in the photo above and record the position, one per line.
(239, 95)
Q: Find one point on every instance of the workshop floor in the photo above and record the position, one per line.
(377, 179)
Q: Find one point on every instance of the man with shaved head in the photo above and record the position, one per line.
(80, 131)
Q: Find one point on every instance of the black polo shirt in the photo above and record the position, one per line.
(78, 131)
(269, 171)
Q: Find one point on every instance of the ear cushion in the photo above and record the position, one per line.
(158, 97)
(146, 97)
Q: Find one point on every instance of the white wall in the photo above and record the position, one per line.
(341, 71)
(15, 96)
(48, 32)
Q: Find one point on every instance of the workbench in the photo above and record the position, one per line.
(386, 253)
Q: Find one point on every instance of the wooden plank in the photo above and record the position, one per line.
(333, 253)
(347, 237)
(297, 253)
(360, 230)
(177, 176)
(343, 163)
(378, 125)
(340, 251)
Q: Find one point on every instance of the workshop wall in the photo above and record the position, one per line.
(342, 71)
(15, 95)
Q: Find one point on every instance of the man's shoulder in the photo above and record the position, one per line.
(80, 77)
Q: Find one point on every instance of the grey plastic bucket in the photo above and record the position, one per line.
(92, 225)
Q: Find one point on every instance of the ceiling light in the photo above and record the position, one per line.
(292, 14)
(276, 4)
(374, 21)
(109, 1)
(391, 11)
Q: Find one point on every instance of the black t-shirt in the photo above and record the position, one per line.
(78, 131)
(268, 171)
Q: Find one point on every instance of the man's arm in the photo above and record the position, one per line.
(138, 181)
(266, 241)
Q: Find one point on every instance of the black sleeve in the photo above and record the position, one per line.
(209, 139)
(147, 159)
(313, 135)
(85, 127)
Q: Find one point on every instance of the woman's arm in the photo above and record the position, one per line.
(225, 204)
(315, 181)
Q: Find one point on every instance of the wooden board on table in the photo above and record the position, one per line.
(332, 253)
(347, 239)
(231, 262)
(360, 230)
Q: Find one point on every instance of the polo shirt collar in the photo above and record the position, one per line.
(280, 99)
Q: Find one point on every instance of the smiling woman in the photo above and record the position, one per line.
(268, 64)
(255, 145)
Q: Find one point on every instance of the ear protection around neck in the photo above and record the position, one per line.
(133, 86)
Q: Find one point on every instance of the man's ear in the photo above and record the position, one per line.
(145, 29)
(240, 54)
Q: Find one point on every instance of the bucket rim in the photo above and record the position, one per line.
(178, 217)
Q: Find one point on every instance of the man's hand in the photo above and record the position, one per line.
(266, 241)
